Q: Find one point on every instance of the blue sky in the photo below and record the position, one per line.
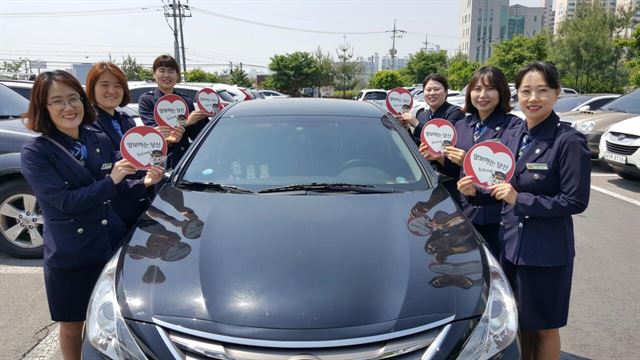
(65, 31)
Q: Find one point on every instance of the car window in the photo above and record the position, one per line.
(567, 103)
(360, 95)
(377, 95)
(627, 103)
(266, 151)
(23, 91)
(226, 96)
(137, 92)
(189, 92)
(12, 104)
(597, 104)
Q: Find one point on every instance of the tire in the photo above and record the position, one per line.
(20, 221)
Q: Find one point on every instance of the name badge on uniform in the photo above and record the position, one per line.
(106, 166)
(537, 166)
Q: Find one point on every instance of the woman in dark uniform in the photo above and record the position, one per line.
(74, 175)
(487, 102)
(107, 89)
(551, 182)
(167, 74)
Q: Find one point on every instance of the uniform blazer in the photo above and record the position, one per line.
(130, 208)
(552, 178)
(495, 125)
(146, 104)
(447, 111)
(80, 227)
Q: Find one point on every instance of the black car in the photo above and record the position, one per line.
(20, 218)
(302, 229)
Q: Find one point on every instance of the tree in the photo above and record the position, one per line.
(423, 63)
(14, 66)
(325, 73)
(513, 54)
(239, 77)
(388, 79)
(199, 75)
(292, 72)
(131, 69)
(460, 71)
(346, 70)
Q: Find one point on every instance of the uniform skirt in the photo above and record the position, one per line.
(542, 294)
(69, 290)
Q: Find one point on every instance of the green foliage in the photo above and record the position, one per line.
(132, 70)
(513, 54)
(239, 77)
(422, 64)
(144, 74)
(346, 94)
(325, 73)
(388, 79)
(14, 66)
(460, 71)
(199, 75)
(292, 72)
(346, 71)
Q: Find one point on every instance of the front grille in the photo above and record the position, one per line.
(190, 346)
(621, 149)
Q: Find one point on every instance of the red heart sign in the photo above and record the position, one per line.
(399, 100)
(171, 110)
(144, 147)
(208, 101)
(489, 163)
(437, 134)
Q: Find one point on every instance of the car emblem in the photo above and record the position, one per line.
(621, 137)
(304, 357)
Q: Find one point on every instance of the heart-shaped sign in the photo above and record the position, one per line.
(144, 147)
(437, 134)
(399, 100)
(208, 101)
(171, 110)
(490, 163)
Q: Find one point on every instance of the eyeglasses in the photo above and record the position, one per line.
(542, 94)
(74, 101)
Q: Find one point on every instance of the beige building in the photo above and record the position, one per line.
(524, 20)
(482, 23)
(632, 5)
(566, 9)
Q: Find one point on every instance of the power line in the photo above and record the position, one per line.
(81, 12)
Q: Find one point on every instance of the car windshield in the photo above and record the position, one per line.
(626, 103)
(567, 103)
(377, 95)
(264, 152)
(12, 105)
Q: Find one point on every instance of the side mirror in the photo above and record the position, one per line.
(584, 108)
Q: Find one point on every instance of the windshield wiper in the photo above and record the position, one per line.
(3, 117)
(616, 110)
(329, 187)
(209, 186)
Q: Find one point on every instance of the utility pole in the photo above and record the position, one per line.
(178, 10)
(393, 51)
(345, 54)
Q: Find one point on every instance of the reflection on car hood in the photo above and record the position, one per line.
(272, 264)
(15, 125)
(630, 126)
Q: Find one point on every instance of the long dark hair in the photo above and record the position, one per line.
(492, 76)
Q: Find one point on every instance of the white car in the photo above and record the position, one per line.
(575, 102)
(620, 148)
(272, 94)
(376, 96)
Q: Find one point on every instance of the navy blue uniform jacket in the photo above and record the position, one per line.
(146, 104)
(80, 228)
(446, 111)
(552, 178)
(495, 125)
(129, 209)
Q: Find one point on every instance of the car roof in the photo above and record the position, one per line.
(27, 84)
(304, 106)
(367, 90)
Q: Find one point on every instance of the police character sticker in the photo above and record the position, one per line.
(489, 163)
(144, 147)
(437, 134)
(399, 100)
(208, 101)
(169, 110)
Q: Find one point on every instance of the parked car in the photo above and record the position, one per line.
(303, 229)
(376, 96)
(620, 148)
(419, 105)
(20, 217)
(272, 94)
(575, 102)
(593, 123)
(22, 87)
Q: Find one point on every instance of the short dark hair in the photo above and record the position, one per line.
(548, 70)
(489, 75)
(439, 78)
(37, 115)
(166, 61)
(94, 74)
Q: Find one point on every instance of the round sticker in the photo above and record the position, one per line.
(490, 163)
(437, 134)
(144, 147)
(208, 101)
(399, 100)
(171, 110)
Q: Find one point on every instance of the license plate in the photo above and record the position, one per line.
(620, 159)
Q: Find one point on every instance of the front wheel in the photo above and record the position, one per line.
(20, 221)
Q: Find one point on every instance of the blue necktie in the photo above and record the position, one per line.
(526, 141)
(79, 151)
(480, 127)
(117, 127)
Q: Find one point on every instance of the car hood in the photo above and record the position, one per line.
(630, 126)
(340, 264)
(603, 119)
(15, 125)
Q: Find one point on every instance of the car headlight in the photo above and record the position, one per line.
(498, 326)
(586, 126)
(106, 329)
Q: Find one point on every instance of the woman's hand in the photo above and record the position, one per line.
(121, 169)
(175, 134)
(466, 187)
(504, 192)
(153, 176)
(427, 155)
(163, 130)
(454, 154)
(407, 119)
(196, 116)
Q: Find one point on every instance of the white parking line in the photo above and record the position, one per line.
(9, 269)
(617, 196)
(603, 175)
